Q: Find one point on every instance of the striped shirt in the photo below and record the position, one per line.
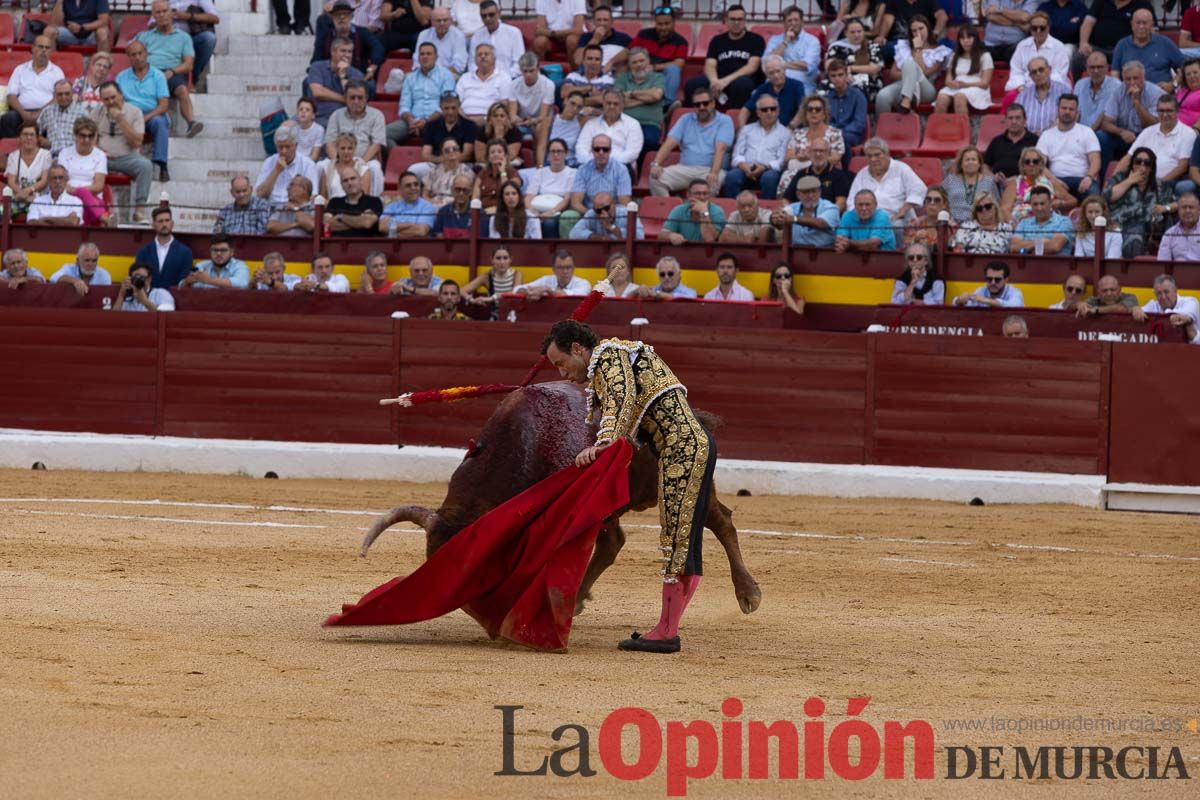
(1042, 114)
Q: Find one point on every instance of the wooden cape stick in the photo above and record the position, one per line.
(410, 399)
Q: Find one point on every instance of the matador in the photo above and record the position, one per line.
(633, 393)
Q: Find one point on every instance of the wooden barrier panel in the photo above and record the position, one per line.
(1042, 322)
(298, 378)
(989, 403)
(620, 311)
(1155, 425)
(784, 395)
(64, 370)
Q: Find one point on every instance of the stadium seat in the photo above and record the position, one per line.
(131, 26)
(9, 61)
(999, 78)
(675, 117)
(708, 32)
(945, 135)
(767, 31)
(857, 165)
(8, 31)
(1108, 173)
(818, 32)
(629, 27)
(902, 132)
(642, 187)
(990, 127)
(120, 63)
(653, 211)
(390, 109)
(527, 27)
(70, 63)
(690, 71)
(399, 159)
(19, 43)
(385, 69)
(8, 145)
(929, 170)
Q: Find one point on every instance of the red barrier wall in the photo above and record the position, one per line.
(981, 402)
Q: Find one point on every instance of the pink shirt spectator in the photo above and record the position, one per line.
(1189, 104)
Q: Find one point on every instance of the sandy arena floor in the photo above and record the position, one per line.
(175, 650)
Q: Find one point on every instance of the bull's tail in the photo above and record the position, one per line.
(420, 515)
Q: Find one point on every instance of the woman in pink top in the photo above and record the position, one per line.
(1188, 93)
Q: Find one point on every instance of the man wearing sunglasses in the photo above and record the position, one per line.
(996, 291)
(1038, 43)
(667, 50)
(670, 281)
(606, 220)
(759, 153)
(1074, 288)
(1040, 97)
(703, 137)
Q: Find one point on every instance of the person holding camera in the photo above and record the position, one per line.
(137, 294)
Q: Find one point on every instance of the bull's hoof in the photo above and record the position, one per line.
(641, 644)
(581, 603)
(749, 597)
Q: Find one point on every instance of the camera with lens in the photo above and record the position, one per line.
(138, 282)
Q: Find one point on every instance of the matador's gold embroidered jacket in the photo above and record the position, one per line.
(624, 380)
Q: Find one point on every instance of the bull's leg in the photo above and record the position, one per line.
(720, 522)
(608, 544)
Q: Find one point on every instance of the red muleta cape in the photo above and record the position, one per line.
(516, 569)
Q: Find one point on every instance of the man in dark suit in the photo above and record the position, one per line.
(170, 258)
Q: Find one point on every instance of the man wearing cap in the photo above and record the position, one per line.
(812, 217)
(368, 50)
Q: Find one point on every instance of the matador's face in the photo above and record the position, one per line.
(571, 365)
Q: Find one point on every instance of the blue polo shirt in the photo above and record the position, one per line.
(698, 143)
(877, 227)
(1092, 104)
(1159, 56)
(166, 50)
(1030, 228)
(143, 94)
(804, 236)
(614, 179)
(790, 97)
(420, 212)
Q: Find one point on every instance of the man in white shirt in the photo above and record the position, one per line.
(450, 42)
(1038, 43)
(1184, 311)
(278, 170)
(613, 122)
(1170, 142)
(758, 152)
(137, 293)
(30, 88)
(727, 287)
(1073, 150)
(56, 206)
(562, 282)
(479, 88)
(322, 278)
(558, 22)
(273, 276)
(898, 191)
(85, 272)
(533, 94)
(507, 41)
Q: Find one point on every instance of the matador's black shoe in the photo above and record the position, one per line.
(643, 645)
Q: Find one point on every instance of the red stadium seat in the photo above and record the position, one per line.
(990, 127)
(675, 117)
(131, 26)
(9, 61)
(689, 71)
(734, 115)
(708, 32)
(20, 44)
(820, 34)
(929, 170)
(70, 63)
(385, 69)
(8, 31)
(767, 31)
(120, 63)
(629, 27)
(902, 132)
(642, 187)
(527, 27)
(653, 211)
(8, 145)
(945, 135)
(390, 109)
(857, 165)
(399, 159)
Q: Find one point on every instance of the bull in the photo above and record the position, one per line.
(533, 433)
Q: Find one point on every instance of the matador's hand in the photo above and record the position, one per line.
(590, 454)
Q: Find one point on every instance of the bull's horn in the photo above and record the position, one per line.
(419, 514)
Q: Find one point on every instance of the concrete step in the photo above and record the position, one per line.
(274, 66)
(258, 84)
(196, 202)
(237, 106)
(218, 171)
(242, 44)
(229, 128)
(207, 147)
(245, 23)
